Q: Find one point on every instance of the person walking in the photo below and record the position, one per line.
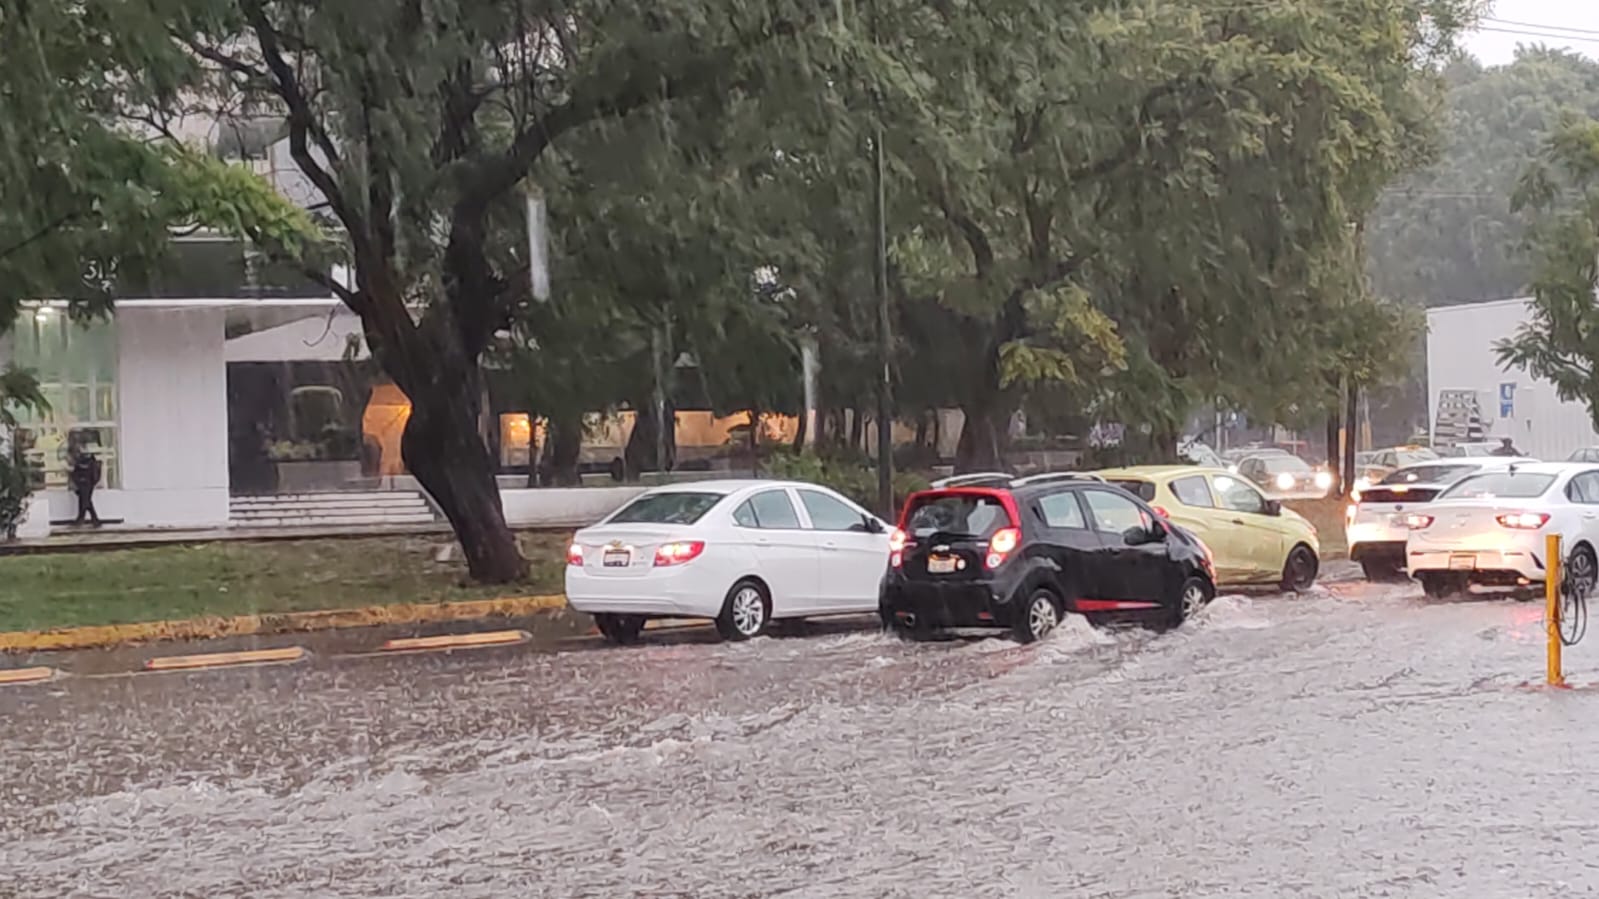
(84, 477)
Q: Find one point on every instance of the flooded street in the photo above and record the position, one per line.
(1356, 742)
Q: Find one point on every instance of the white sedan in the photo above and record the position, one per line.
(741, 553)
(1489, 529)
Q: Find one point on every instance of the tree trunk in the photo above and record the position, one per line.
(921, 431)
(1335, 462)
(800, 431)
(978, 447)
(565, 440)
(857, 428)
(642, 445)
(1350, 412)
(443, 450)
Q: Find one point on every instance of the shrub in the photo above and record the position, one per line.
(856, 478)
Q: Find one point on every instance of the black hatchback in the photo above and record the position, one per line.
(1020, 554)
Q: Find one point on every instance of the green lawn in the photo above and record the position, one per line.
(240, 578)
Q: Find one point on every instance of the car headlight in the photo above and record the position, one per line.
(1323, 480)
(1285, 481)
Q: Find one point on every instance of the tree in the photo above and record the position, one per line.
(86, 203)
(1446, 233)
(1560, 343)
(18, 390)
(417, 124)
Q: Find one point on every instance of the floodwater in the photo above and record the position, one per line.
(1356, 742)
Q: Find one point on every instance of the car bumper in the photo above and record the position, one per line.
(969, 604)
(661, 592)
(1503, 561)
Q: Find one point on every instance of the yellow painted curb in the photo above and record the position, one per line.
(26, 675)
(219, 659)
(457, 641)
(278, 623)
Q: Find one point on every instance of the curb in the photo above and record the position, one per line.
(98, 636)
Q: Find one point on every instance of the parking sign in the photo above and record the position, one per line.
(1507, 400)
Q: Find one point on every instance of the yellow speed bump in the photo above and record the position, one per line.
(26, 675)
(219, 659)
(457, 641)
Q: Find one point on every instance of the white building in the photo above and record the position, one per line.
(1461, 356)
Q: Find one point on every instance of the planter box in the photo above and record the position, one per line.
(35, 519)
(301, 477)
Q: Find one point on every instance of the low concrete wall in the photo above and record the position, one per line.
(35, 519)
(563, 507)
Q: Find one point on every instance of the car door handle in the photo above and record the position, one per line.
(1238, 521)
(830, 545)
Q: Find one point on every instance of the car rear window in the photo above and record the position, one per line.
(1411, 457)
(1144, 490)
(1500, 484)
(1430, 474)
(957, 515)
(666, 508)
(1277, 464)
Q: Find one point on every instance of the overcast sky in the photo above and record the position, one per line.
(1494, 46)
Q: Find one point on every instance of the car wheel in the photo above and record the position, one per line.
(620, 629)
(745, 613)
(1380, 572)
(1038, 617)
(1442, 586)
(1582, 570)
(1195, 595)
(1299, 572)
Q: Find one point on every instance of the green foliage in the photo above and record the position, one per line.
(1560, 343)
(855, 477)
(18, 390)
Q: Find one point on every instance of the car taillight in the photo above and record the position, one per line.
(1523, 521)
(1001, 545)
(574, 555)
(1418, 522)
(1350, 512)
(1161, 511)
(678, 553)
(896, 548)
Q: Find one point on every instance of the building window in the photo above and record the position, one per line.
(76, 366)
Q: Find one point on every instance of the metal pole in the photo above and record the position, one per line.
(885, 387)
(658, 351)
(808, 373)
(1551, 612)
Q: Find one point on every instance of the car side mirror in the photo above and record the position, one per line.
(1273, 507)
(870, 525)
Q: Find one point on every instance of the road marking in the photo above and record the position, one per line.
(458, 641)
(26, 675)
(219, 659)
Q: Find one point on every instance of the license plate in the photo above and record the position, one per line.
(940, 564)
(1400, 521)
(1463, 561)
(617, 558)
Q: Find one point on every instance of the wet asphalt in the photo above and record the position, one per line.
(1357, 741)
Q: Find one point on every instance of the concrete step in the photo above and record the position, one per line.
(331, 509)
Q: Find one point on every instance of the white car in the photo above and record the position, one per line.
(1489, 529)
(1375, 528)
(741, 553)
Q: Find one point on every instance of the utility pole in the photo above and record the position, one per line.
(885, 343)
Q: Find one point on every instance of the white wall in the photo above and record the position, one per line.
(1461, 356)
(172, 417)
(563, 507)
(322, 336)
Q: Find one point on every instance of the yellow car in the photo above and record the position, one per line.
(1254, 539)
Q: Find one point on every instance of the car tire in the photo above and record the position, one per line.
(1584, 566)
(746, 612)
(1195, 595)
(1442, 586)
(1380, 572)
(1039, 615)
(1300, 570)
(622, 630)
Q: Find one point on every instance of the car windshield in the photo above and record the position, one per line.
(972, 515)
(1500, 485)
(1430, 474)
(1285, 464)
(666, 508)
